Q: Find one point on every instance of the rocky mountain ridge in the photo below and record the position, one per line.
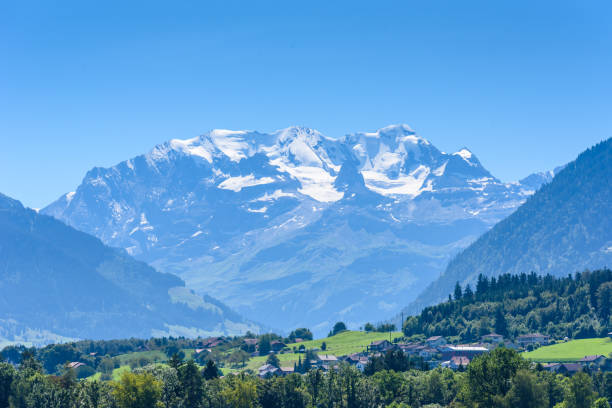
(292, 221)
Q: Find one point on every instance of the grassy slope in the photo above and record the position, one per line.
(155, 356)
(347, 342)
(116, 374)
(339, 345)
(571, 351)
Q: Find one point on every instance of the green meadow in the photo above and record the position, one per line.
(341, 344)
(571, 351)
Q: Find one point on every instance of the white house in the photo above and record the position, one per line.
(436, 341)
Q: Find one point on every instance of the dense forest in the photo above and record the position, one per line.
(575, 306)
(498, 379)
(564, 227)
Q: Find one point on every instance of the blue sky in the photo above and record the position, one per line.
(525, 85)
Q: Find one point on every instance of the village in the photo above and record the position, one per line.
(431, 353)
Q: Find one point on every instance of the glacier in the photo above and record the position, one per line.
(294, 228)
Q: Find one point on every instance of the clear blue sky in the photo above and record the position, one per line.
(526, 85)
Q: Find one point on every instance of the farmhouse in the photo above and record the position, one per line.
(352, 359)
(553, 367)
(592, 360)
(286, 371)
(268, 370)
(327, 360)
(381, 346)
(532, 339)
(456, 362)
(362, 363)
(277, 345)
(436, 341)
(569, 368)
(213, 342)
(410, 348)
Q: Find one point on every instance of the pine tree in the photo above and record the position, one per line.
(469, 295)
(210, 371)
(300, 368)
(175, 361)
(458, 291)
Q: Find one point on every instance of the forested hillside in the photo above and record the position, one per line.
(575, 306)
(57, 283)
(565, 227)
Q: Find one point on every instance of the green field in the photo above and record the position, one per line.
(571, 351)
(347, 342)
(155, 356)
(116, 373)
(341, 344)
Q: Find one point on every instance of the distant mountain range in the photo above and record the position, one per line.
(57, 283)
(565, 227)
(295, 228)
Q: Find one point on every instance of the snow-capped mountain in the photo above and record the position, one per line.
(295, 228)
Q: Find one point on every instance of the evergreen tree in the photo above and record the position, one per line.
(501, 326)
(300, 367)
(210, 370)
(482, 286)
(468, 294)
(273, 360)
(604, 300)
(458, 291)
(175, 361)
(191, 382)
(264, 345)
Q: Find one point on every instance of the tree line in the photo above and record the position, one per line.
(102, 355)
(576, 306)
(497, 379)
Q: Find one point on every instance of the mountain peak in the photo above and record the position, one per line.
(401, 127)
(400, 132)
(464, 152)
(309, 202)
(8, 203)
(298, 132)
